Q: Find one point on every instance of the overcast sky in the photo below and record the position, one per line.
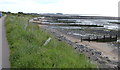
(98, 7)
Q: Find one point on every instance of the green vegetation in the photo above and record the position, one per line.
(3, 14)
(27, 51)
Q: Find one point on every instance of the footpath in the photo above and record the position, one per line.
(4, 49)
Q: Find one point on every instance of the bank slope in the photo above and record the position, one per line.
(27, 50)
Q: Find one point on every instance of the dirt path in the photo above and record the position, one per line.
(4, 46)
(106, 49)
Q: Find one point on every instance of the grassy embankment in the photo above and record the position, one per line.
(27, 50)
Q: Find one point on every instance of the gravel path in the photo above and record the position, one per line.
(4, 61)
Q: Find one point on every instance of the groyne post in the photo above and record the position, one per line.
(104, 37)
(116, 37)
(110, 36)
(89, 38)
(81, 38)
(97, 38)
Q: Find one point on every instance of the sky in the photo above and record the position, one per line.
(96, 7)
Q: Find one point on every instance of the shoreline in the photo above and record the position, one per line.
(101, 58)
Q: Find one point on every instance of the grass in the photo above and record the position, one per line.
(27, 50)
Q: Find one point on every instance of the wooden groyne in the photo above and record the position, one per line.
(79, 17)
(71, 25)
(104, 38)
(43, 21)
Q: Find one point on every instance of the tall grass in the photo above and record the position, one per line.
(27, 50)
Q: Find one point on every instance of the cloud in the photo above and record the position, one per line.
(47, 1)
(103, 7)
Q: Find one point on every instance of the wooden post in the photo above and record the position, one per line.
(81, 38)
(97, 38)
(104, 37)
(89, 38)
(116, 37)
(47, 41)
(110, 36)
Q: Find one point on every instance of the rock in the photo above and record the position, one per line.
(96, 52)
(88, 57)
(94, 58)
(104, 67)
(76, 42)
(92, 53)
(91, 49)
(59, 39)
(81, 46)
(53, 32)
(102, 62)
(87, 50)
(75, 47)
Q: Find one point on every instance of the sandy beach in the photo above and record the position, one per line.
(106, 49)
